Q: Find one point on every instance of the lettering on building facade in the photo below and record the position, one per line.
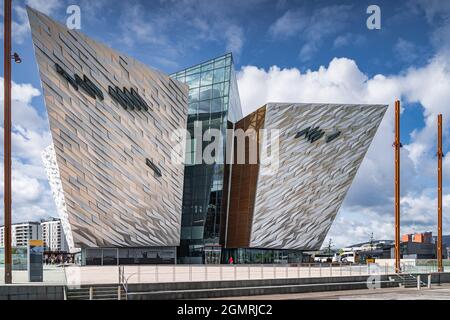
(127, 98)
(313, 134)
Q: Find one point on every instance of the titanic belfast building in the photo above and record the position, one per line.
(123, 197)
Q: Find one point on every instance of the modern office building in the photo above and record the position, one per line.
(53, 236)
(112, 120)
(289, 200)
(22, 233)
(214, 103)
(122, 198)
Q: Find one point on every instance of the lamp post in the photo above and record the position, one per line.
(440, 155)
(7, 141)
(397, 146)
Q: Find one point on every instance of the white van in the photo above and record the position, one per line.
(349, 257)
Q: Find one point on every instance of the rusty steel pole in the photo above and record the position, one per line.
(440, 155)
(7, 141)
(397, 146)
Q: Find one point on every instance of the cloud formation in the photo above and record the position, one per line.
(32, 198)
(311, 28)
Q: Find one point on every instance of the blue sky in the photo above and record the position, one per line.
(290, 51)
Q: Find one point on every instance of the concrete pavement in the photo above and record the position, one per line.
(435, 293)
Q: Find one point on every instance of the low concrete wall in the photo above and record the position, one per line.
(34, 292)
(200, 290)
(216, 289)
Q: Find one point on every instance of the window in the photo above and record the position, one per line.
(207, 78)
(205, 93)
(219, 75)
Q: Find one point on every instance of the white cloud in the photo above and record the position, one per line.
(174, 27)
(349, 39)
(31, 195)
(234, 36)
(46, 6)
(406, 50)
(289, 24)
(20, 25)
(311, 28)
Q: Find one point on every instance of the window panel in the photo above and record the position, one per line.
(216, 105)
(193, 108)
(197, 232)
(194, 95)
(207, 78)
(218, 90)
(204, 106)
(193, 70)
(207, 67)
(219, 63)
(205, 93)
(219, 75)
(193, 81)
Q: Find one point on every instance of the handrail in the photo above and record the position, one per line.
(122, 281)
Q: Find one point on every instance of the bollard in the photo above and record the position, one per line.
(262, 271)
(429, 281)
(190, 272)
(309, 271)
(157, 274)
(331, 269)
(418, 282)
(119, 293)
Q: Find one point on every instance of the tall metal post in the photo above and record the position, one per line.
(397, 146)
(440, 155)
(7, 141)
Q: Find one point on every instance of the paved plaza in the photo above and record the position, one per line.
(435, 293)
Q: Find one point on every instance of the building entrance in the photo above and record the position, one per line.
(213, 255)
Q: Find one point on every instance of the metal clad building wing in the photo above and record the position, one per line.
(103, 143)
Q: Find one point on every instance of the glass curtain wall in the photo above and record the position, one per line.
(213, 102)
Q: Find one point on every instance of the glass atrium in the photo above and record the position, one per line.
(214, 103)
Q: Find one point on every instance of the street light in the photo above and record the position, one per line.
(16, 58)
(7, 138)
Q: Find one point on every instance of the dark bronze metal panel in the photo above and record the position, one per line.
(244, 179)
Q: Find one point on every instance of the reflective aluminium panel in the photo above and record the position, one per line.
(321, 149)
(112, 120)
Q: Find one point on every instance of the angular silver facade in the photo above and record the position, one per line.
(296, 205)
(112, 120)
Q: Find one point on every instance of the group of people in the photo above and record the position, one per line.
(57, 259)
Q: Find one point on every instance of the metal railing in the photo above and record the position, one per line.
(200, 273)
(74, 276)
